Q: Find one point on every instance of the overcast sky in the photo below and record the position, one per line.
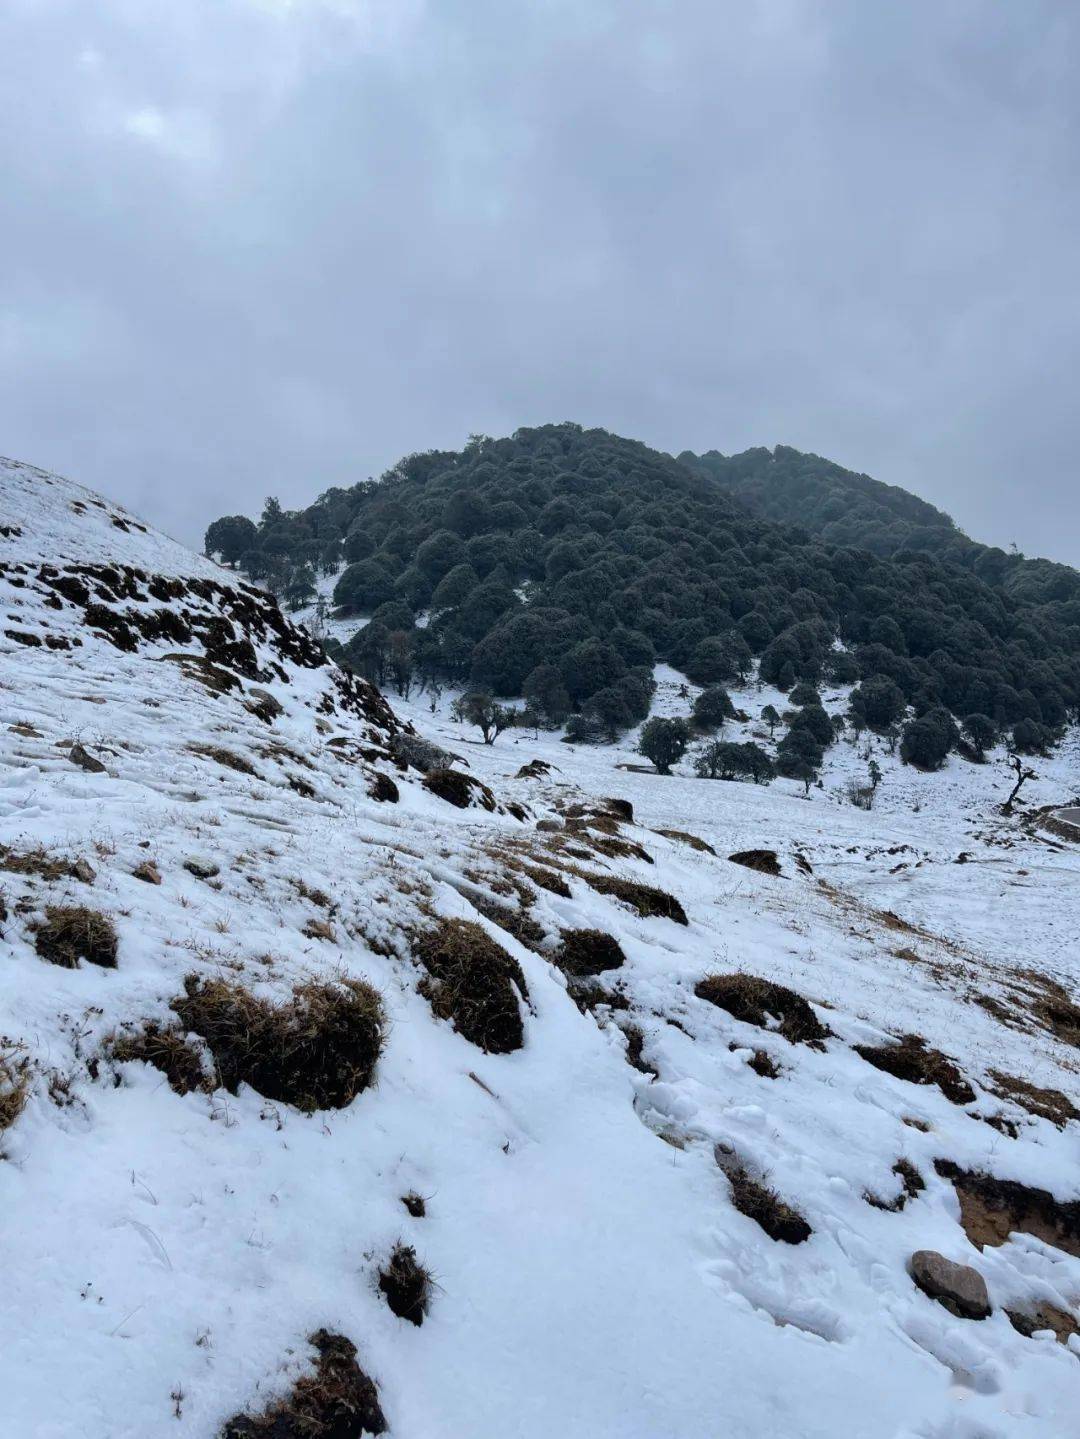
(267, 246)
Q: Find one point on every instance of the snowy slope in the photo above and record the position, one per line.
(167, 1255)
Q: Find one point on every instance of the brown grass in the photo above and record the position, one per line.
(224, 757)
(649, 902)
(912, 1059)
(169, 1050)
(15, 1072)
(691, 839)
(338, 1401)
(763, 1205)
(473, 983)
(762, 1062)
(588, 951)
(406, 1285)
(73, 932)
(316, 1050)
(912, 1185)
(1048, 1104)
(38, 862)
(516, 922)
(755, 1000)
(763, 860)
(458, 788)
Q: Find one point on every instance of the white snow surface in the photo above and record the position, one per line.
(166, 1256)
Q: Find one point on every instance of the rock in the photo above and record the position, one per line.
(149, 872)
(202, 868)
(549, 826)
(85, 760)
(961, 1289)
(84, 870)
(421, 753)
(263, 704)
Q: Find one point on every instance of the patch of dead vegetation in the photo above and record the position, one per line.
(649, 902)
(635, 1050)
(765, 1004)
(681, 836)
(1058, 1013)
(473, 983)
(459, 789)
(516, 922)
(591, 997)
(338, 1401)
(763, 860)
(406, 1283)
(225, 757)
(762, 1063)
(168, 1050)
(761, 1203)
(15, 1073)
(991, 1209)
(73, 932)
(319, 929)
(548, 879)
(38, 863)
(382, 788)
(1048, 1104)
(912, 1185)
(315, 1050)
(588, 951)
(415, 1204)
(912, 1059)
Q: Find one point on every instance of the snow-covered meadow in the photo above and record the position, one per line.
(167, 1255)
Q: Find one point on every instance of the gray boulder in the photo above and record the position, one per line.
(961, 1289)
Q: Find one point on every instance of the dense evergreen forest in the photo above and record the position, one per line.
(559, 564)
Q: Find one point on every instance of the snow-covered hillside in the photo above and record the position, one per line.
(212, 842)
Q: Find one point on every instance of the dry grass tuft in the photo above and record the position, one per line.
(1048, 1104)
(415, 1204)
(315, 1050)
(516, 922)
(15, 1072)
(473, 983)
(763, 860)
(588, 951)
(693, 840)
(458, 788)
(338, 1401)
(763, 1205)
(912, 1185)
(38, 862)
(647, 901)
(406, 1284)
(762, 1062)
(913, 1060)
(73, 932)
(755, 1000)
(169, 1050)
(224, 757)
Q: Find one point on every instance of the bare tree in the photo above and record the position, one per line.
(1023, 774)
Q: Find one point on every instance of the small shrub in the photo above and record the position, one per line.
(913, 1060)
(73, 932)
(588, 951)
(406, 1284)
(474, 983)
(338, 1401)
(763, 860)
(166, 1049)
(316, 1050)
(649, 902)
(763, 1205)
(754, 1000)
(14, 1082)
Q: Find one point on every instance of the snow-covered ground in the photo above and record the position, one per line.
(166, 1256)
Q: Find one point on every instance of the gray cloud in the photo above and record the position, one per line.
(254, 246)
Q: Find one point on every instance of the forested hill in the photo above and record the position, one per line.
(561, 563)
(844, 508)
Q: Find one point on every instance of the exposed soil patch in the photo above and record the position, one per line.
(316, 1050)
(588, 951)
(1048, 1104)
(912, 1059)
(473, 983)
(763, 1205)
(338, 1401)
(406, 1284)
(1044, 1316)
(649, 902)
(991, 1209)
(763, 860)
(768, 1005)
(73, 932)
(169, 1050)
